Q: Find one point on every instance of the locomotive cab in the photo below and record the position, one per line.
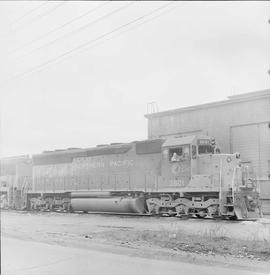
(179, 158)
(204, 182)
(176, 161)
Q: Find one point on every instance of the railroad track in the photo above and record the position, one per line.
(133, 215)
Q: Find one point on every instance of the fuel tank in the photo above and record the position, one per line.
(91, 194)
(112, 204)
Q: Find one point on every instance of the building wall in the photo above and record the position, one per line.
(214, 121)
(238, 125)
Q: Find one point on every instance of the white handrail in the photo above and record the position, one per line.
(233, 186)
(220, 185)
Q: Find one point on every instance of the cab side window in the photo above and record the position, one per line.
(3, 184)
(175, 154)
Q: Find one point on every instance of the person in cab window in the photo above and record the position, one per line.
(175, 157)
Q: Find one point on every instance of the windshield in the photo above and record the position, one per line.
(179, 153)
(206, 149)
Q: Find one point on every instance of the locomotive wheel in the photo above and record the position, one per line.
(171, 213)
(181, 209)
(212, 210)
(233, 218)
(200, 216)
(66, 207)
(70, 209)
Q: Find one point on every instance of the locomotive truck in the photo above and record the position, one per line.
(180, 176)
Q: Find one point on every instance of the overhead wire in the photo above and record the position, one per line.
(27, 13)
(84, 45)
(59, 27)
(37, 17)
(137, 25)
(142, 23)
(75, 31)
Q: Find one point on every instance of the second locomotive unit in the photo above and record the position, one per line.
(176, 176)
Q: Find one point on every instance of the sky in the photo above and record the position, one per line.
(78, 74)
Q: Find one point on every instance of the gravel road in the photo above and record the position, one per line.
(39, 258)
(223, 244)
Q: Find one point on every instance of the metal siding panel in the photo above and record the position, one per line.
(265, 189)
(245, 141)
(264, 143)
(253, 143)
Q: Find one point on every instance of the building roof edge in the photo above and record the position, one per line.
(231, 99)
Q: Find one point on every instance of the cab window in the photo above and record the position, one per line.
(205, 147)
(3, 184)
(175, 154)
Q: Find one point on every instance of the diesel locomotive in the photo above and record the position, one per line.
(180, 176)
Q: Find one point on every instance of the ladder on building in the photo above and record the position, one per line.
(152, 107)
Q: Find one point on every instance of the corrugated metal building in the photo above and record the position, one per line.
(239, 124)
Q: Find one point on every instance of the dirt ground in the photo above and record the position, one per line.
(245, 243)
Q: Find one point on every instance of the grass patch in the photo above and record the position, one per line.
(210, 242)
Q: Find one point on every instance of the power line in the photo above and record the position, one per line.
(37, 17)
(137, 25)
(76, 30)
(84, 45)
(81, 46)
(27, 13)
(144, 22)
(58, 28)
